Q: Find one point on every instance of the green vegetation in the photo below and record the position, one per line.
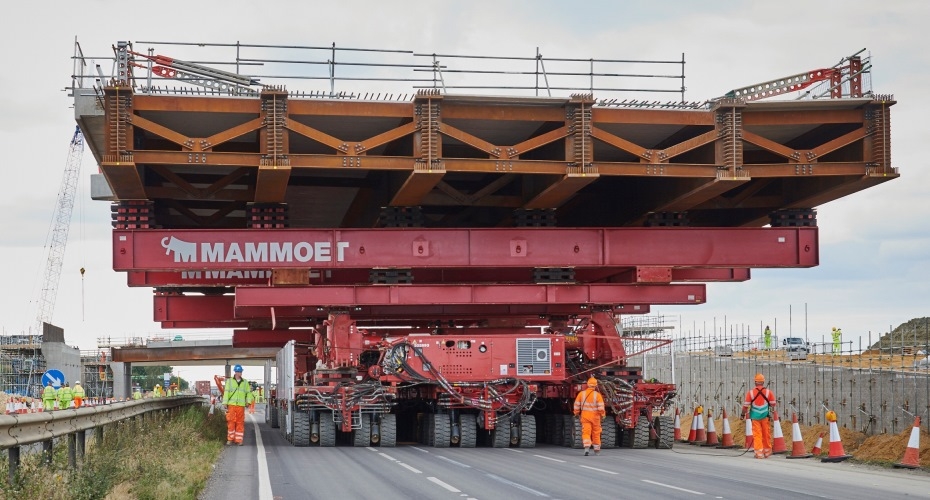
(913, 334)
(163, 456)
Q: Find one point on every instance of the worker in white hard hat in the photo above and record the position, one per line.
(78, 394)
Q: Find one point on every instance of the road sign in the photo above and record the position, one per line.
(56, 377)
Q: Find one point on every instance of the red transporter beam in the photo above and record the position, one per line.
(251, 277)
(185, 250)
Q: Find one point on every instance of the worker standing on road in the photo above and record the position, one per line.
(767, 336)
(48, 396)
(156, 391)
(137, 393)
(78, 393)
(837, 337)
(760, 403)
(254, 399)
(236, 395)
(65, 396)
(590, 405)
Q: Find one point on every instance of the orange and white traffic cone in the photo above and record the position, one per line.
(726, 441)
(9, 407)
(693, 433)
(911, 458)
(749, 443)
(700, 434)
(816, 450)
(778, 438)
(797, 441)
(711, 431)
(836, 453)
(677, 436)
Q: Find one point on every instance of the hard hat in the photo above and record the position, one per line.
(77, 383)
(592, 382)
(237, 368)
(760, 378)
(834, 328)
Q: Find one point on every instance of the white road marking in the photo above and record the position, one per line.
(550, 458)
(264, 480)
(420, 449)
(517, 485)
(444, 485)
(460, 464)
(412, 469)
(385, 455)
(600, 470)
(371, 448)
(672, 487)
(513, 450)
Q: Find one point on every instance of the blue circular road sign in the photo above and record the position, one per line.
(56, 377)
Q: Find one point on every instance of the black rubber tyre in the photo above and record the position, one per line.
(641, 433)
(469, 428)
(608, 433)
(665, 429)
(500, 436)
(327, 429)
(388, 430)
(362, 436)
(528, 431)
(429, 418)
(274, 417)
(555, 436)
(442, 430)
(572, 432)
(301, 428)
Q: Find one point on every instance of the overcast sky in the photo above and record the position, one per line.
(874, 267)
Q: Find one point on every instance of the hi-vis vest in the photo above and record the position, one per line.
(237, 393)
(760, 400)
(589, 400)
(48, 394)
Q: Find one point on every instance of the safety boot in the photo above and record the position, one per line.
(586, 452)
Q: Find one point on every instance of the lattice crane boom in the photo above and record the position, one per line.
(61, 224)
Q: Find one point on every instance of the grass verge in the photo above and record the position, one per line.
(161, 457)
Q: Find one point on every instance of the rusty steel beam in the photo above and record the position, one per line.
(560, 191)
(221, 354)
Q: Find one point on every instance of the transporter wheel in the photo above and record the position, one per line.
(388, 430)
(327, 429)
(274, 416)
(428, 431)
(362, 435)
(442, 430)
(572, 432)
(641, 433)
(608, 433)
(301, 428)
(500, 435)
(556, 426)
(469, 426)
(528, 431)
(282, 420)
(665, 429)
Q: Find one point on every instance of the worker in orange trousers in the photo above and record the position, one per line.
(589, 404)
(760, 404)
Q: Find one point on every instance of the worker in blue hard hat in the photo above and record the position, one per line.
(237, 394)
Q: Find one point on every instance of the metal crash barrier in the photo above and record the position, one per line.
(30, 428)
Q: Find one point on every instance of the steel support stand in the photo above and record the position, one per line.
(14, 464)
(72, 444)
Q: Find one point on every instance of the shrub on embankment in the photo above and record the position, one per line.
(161, 457)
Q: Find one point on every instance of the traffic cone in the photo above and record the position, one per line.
(836, 453)
(711, 431)
(693, 433)
(677, 436)
(797, 441)
(727, 438)
(749, 443)
(778, 438)
(816, 449)
(700, 434)
(911, 458)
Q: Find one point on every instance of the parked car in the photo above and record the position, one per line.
(723, 350)
(922, 364)
(796, 348)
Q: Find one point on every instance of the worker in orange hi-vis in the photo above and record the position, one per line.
(760, 404)
(589, 404)
(78, 393)
(236, 396)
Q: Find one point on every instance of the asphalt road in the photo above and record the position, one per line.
(275, 470)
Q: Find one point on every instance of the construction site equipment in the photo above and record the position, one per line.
(448, 268)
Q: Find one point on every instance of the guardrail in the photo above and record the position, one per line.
(31, 428)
